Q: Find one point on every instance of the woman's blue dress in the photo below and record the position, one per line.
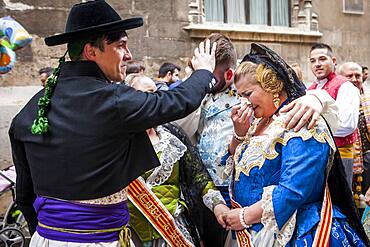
(287, 170)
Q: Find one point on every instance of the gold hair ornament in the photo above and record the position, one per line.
(269, 82)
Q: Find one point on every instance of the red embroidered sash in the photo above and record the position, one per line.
(156, 213)
(243, 237)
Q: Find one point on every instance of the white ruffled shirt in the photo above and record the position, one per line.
(348, 104)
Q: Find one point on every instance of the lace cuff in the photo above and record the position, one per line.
(269, 221)
(212, 198)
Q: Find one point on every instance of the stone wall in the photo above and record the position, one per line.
(12, 100)
(162, 38)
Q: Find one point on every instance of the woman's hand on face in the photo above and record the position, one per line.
(233, 221)
(241, 115)
(220, 212)
(204, 56)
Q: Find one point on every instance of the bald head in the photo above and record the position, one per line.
(141, 82)
(353, 72)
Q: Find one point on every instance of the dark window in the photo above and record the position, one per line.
(260, 12)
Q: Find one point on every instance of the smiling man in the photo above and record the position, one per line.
(80, 141)
(347, 97)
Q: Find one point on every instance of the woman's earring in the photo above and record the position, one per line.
(276, 100)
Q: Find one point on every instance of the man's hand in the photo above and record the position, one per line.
(220, 211)
(301, 111)
(204, 56)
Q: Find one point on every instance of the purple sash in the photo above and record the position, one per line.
(70, 215)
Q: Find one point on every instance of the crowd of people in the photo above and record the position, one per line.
(233, 155)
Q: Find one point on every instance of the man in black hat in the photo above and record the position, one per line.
(79, 142)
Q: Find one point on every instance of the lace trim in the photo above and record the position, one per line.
(268, 220)
(212, 198)
(171, 149)
(117, 197)
(260, 148)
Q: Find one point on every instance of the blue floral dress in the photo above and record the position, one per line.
(286, 170)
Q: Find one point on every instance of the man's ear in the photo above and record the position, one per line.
(168, 74)
(334, 60)
(229, 75)
(89, 52)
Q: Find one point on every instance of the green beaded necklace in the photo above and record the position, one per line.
(41, 124)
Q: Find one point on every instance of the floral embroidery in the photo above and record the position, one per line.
(260, 148)
(268, 219)
(215, 132)
(212, 198)
(118, 197)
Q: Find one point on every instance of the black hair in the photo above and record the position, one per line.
(322, 46)
(46, 70)
(75, 49)
(167, 67)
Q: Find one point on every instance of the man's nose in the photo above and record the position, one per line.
(317, 63)
(351, 78)
(127, 56)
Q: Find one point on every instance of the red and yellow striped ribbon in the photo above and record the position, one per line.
(322, 236)
(156, 213)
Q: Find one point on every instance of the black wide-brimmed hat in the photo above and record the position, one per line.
(92, 17)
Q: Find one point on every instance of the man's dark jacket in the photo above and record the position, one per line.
(96, 143)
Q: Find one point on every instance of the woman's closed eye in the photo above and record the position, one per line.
(246, 94)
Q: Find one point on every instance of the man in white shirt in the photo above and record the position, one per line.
(347, 97)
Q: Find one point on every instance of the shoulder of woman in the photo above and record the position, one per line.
(320, 132)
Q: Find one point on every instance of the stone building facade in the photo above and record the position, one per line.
(173, 27)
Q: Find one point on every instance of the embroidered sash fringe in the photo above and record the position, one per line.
(156, 213)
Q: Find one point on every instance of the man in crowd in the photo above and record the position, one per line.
(353, 72)
(365, 75)
(168, 74)
(44, 73)
(88, 141)
(347, 97)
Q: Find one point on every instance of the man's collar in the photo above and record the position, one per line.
(82, 68)
(328, 78)
(229, 91)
